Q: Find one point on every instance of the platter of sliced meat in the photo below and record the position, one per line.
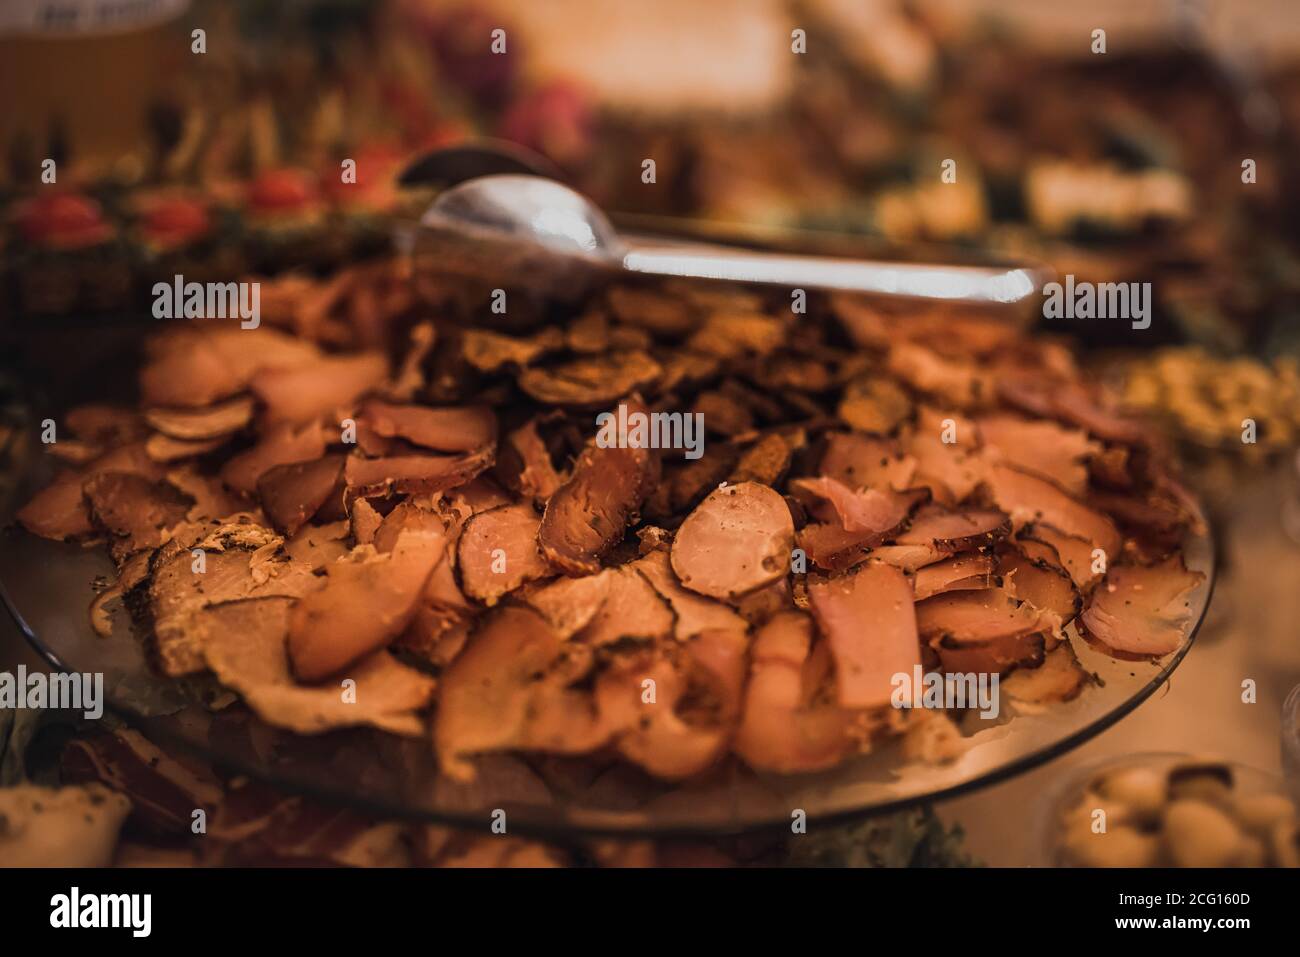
(676, 559)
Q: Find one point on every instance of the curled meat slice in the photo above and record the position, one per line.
(870, 622)
(867, 510)
(1029, 499)
(528, 463)
(453, 429)
(244, 645)
(292, 494)
(497, 552)
(205, 423)
(591, 511)
(1041, 584)
(1043, 448)
(785, 726)
(863, 461)
(282, 445)
(1060, 677)
(1070, 552)
(569, 604)
(193, 368)
(308, 392)
(674, 716)
(995, 656)
(966, 572)
(136, 510)
(238, 562)
(829, 547)
(909, 557)
(1141, 611)
(59, 511)
(590, 381)
(508, 689)
(632, 609)
(694, 613)
(409, 474)
(975, 617)
(949, 531)
(366, 603)
(736, 541)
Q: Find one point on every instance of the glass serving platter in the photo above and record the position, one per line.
(48, 588)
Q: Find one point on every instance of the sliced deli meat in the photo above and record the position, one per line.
(869, 510)
(955, 531)
(1141, 611)
(1029, 499)
(365, 603)
(736, 541)
(497, 552)
(975, 617)
(786, 726)
(212, 422)
(870, 622)
(1044, 586)
(442, 429)
(592, 510)
(281, 445)
(495, 695)
(406, 474)
(392, 486)
(966, 572)
(693, 613)
(249, 655)
(1041, 447)
(292, 494)
(322, 388)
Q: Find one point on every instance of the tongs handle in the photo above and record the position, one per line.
(961, 283)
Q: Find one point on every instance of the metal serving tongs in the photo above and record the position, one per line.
(505, 220)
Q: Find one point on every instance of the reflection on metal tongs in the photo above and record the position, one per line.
(513, 227)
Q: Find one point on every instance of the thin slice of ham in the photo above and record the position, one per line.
(292, 494)
(950, 531)
(966, 572)
(870, 621)
(864, 461)
(569, 604)
(1070, 552)
(975, 617)
(529, 463)
(1141, 611)
(449, 429)
(694, 613)
(282, 445)
(308, 392)
(867, 510)
(1044, 448)
(497, 552)
(737, 540)
(781, 728)
(996, 656)
(59, 510)
(409, 474)
(366, 603)
(1029, 498)
(1044, 586)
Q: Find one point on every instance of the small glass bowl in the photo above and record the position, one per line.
(1069, 794)
(1291, 741)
